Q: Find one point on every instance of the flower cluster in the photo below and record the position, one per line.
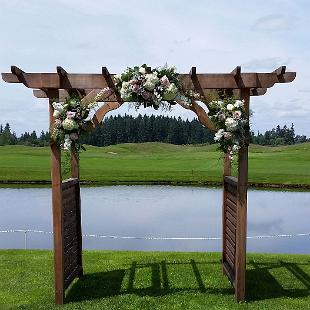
(150, 88)
(71, 120)
(229, 117)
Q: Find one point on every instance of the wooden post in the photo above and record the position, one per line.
(75, 173)
(226, 172)
(57, 214)
(242, 209)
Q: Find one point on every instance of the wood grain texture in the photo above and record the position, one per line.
(57, 217)
(242, 211)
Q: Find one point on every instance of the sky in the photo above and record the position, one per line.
(215, 36)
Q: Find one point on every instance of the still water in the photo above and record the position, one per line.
(161, 211)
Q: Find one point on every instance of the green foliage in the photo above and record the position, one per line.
(154, 280)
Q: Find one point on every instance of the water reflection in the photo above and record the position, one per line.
(159, 211)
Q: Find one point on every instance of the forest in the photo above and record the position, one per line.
(128, 129)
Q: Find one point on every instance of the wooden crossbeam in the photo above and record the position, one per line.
(280, 71)
(109, 80)
(63, 94)
(100, 81)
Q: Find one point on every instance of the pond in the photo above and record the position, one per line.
(160, 211)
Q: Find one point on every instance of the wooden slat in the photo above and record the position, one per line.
(231, 197)
(230, 254)
(230, 262)
(231, 206)
(231, 225)
(206, 81)
(232, 239)
(231, 246)
(230, 234)
(229, 272)
(231, 219)
(72, 276)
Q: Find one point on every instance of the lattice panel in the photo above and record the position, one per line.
(230, 226)
(72, 239)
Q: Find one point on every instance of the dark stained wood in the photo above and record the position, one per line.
(99, 81)
(229, 272)
(57, 217)
(242, 211)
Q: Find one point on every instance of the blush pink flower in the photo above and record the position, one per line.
(74, 136)
(70, 114)
(135, 88)
(237, 115)
(146, 95)
(164, 81)
(227, 135)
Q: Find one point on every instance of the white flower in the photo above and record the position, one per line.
(235, 148)
(67, 143)
(56, 113)
(151, 80)
(58, 106)
(230, 107)
(219, 134)
(239, 103)
(170, 92)
(125, 91)
(231, 124)
(69, 124)
(142, 70)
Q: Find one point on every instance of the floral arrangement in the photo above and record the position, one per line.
(154, 88)
(71, 121)
(229, 117)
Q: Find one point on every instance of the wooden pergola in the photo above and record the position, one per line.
(66, 194)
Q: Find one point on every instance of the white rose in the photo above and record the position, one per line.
(69, 124)
(219, 134)
(56, 113)
(231, 124)
(149, 85)
(170, 92)
(230, 107)
(239, 103)
(142, 70)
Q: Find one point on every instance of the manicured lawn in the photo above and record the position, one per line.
(160, 163)
(154, 280)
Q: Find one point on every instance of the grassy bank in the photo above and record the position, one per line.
(160, 163)
(146, 280)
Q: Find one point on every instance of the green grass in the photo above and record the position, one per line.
(160, 163)
(154, 280)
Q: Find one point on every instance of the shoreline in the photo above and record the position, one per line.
(46, 183)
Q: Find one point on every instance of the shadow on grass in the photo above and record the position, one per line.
(262, 281)
(112, 283)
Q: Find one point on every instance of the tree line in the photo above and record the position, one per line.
(129, 129)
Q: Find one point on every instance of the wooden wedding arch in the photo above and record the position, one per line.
(66, 194)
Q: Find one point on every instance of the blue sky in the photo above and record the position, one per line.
(214, 36)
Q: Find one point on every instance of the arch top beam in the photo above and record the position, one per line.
(100, 81)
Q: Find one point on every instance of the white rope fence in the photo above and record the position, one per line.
(27, 231)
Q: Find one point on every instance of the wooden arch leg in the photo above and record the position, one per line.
(241, 228)
(57, 217)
